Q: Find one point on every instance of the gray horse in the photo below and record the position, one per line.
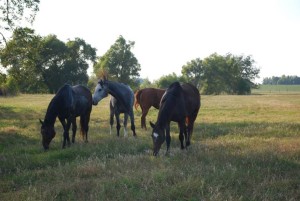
(121, 102)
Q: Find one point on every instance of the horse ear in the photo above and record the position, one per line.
(152, 125)
(41, 121)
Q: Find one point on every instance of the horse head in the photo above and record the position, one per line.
(48, 133)
(101, 91)
(158, 138)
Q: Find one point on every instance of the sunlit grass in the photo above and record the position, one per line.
(243, 148)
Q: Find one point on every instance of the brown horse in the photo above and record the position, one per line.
(146, 98)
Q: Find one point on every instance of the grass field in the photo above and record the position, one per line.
(243, 148)
(277, 89)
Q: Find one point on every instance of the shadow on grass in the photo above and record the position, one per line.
(17, 113)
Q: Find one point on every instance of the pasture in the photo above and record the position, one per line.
(243, 148)
(277, 89)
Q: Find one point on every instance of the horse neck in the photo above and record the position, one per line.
(115, 92)
(165, 112)
(51, 113)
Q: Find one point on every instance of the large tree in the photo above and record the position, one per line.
(20, 56)
(65, 62)
(39, 63)
(119, 62)
(222, 74)
(15, 11)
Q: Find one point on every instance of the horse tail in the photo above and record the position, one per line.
(137, 99)
(84, 127)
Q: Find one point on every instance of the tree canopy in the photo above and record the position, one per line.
(283, 80)
(166, 80)
(119, 62)
(13, 12)
(193, 71)
(218, 74)
(46, 63)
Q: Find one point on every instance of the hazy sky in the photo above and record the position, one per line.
(169, 33)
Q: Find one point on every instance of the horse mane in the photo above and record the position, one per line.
(174, 89)
(116, 89)
(168, 103)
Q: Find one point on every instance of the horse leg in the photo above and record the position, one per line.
(190, 129)
(132, 122)
(74, 128)
(66, 132)
(143, 118)
(63, 123)
(118, 123)
(66, 127)
(168, 138)
(111, 120)
(125, 124)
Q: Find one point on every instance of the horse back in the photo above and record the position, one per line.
(192, 98)
(148, 97)
(83, 100)
(63, 101)
(187, 102)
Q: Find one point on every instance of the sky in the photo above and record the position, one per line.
(170, 33)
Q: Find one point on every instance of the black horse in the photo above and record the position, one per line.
(68, 103)
(180, 104)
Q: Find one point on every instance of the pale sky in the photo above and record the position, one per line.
(169, 33)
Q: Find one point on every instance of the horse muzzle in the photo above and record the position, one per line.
(95, 103)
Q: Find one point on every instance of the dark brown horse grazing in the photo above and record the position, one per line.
(181, 104)
(68, 103)
(146, 98)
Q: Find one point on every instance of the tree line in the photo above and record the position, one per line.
(41, 64)
(283, 80)
(37, 64)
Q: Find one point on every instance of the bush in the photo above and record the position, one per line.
(12, 87)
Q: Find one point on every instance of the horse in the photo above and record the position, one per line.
(68, 103)
(121, 102)
(180, 103)
(145, 98)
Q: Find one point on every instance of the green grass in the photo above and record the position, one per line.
(243, 148)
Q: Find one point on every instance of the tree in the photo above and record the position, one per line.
(166, 80)
(283, 80)
(64, 62)
(228, 74)
(119, 62)
(20, 56)
(214, 76)
(13, 11)
(193, 72)
(40, 64)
